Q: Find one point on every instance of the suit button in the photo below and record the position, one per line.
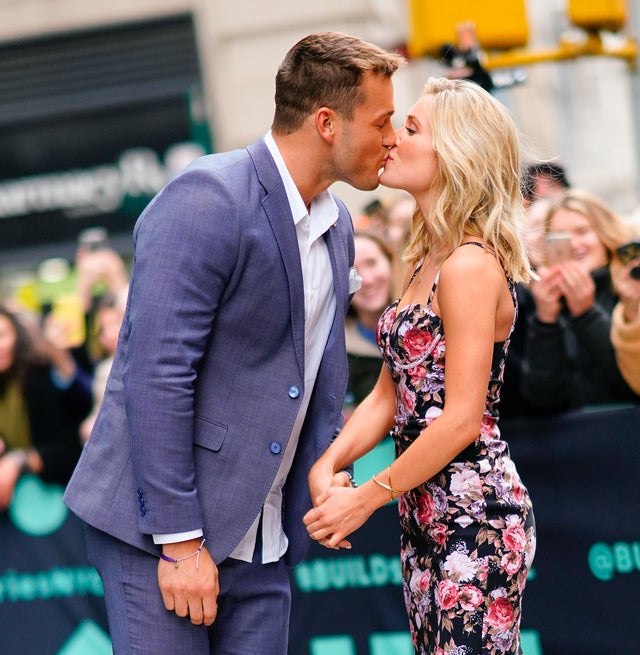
(294, 392)
(143, 511)
(140, 493)
(275, 447)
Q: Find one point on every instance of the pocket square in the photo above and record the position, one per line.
(355, 281)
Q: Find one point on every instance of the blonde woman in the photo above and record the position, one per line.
(569, 359)
(468, 534)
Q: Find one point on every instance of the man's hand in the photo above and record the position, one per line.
(187, 590)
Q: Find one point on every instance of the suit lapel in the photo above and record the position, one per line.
(338, 257)
(278, 212)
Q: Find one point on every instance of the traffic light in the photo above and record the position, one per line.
(597, 15)
(499, 24)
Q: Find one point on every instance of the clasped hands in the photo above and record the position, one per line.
(338, 509)
(568, 280)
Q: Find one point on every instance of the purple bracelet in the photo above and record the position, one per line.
(166, 558)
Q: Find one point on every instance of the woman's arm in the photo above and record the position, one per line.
(625, 324)
(369, 423)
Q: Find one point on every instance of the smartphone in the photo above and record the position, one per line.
(93, 238)
(68, 313)
(627, 252)
(558, 248)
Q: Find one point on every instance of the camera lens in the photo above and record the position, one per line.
(635, 272)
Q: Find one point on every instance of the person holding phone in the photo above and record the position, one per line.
(43, 398)
(569, 359)
(625, 324)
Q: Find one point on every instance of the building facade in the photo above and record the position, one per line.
(101, 102)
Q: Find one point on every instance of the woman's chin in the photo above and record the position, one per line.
(386, 179)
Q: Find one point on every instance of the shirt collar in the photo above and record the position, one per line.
(323, 206)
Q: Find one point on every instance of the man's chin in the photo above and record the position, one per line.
(368, 184)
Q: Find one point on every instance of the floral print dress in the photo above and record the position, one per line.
(468, 533)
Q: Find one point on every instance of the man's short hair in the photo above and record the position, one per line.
(326, 69)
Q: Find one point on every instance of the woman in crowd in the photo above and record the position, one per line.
(374, 263)
(625, 322)
(468, 534)
(108, 316)
(43, 399)
(569, 359)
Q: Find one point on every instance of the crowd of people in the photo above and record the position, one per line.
(52, 374)
(529, 285)
(576, 342)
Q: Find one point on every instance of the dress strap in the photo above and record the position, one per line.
(433, 288)
(418, 267)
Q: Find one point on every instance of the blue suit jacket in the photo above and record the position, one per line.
(209, 370)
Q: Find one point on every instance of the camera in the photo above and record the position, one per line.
(627, 253)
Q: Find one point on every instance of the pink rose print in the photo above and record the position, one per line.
(500, 614)
(447, 594)
(470, 597)
(417, 374)
(511, 562)
(408, 399)
(420, 582)
(487, 427)
(426, 508)
(438, 532)
(518, 493)
(514, 538)
(416, 342)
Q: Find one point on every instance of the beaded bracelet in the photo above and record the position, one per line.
(166, 558)
(388, 487)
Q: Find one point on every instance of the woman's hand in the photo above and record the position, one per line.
(546, 293)
(321, 479)
(341, 511)
(334, 517)
(628, 289)
(577, 287)
(10, 469)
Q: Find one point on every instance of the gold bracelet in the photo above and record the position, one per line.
(388, 487)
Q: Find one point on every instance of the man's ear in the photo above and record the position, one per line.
(326, 123)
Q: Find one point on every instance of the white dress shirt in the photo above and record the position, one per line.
(320, 306)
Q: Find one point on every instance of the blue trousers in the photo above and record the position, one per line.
(253, 606)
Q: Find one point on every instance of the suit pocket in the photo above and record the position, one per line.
(209, 435)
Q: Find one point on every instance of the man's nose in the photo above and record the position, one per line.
(389, 138)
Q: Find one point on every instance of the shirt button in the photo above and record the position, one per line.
(275, 447)
(294, 392)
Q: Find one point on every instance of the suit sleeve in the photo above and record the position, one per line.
(186, 246)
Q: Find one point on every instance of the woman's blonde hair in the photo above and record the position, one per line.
(477, 186)
(609, 227)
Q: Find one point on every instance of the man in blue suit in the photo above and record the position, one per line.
(231, 368)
